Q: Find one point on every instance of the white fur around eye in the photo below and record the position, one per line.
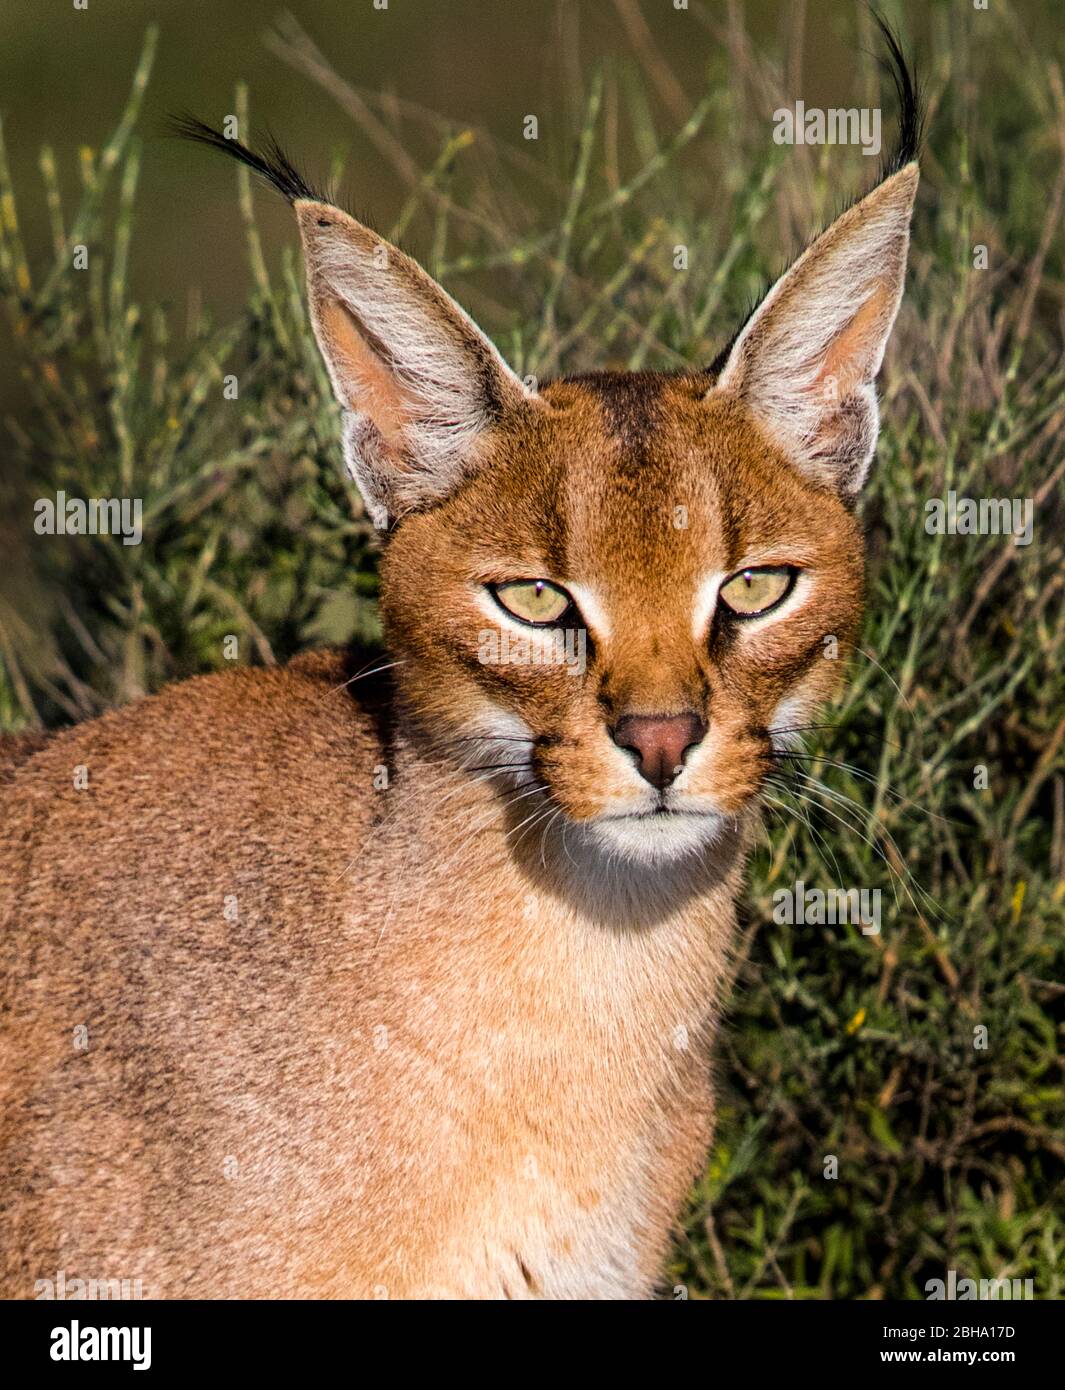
(800, 593)
(708, 593)
(752, 592)
(592, 610)
(495, 615)
(704, 604)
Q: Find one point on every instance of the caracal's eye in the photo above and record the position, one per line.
(535, 601)
(756, 591)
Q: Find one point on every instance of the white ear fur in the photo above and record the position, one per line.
(419, 382)
(806, 361)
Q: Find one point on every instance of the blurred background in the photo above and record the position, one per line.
(383, 85)
(419, 66)
(654, 132)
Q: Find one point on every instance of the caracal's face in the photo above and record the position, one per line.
(618, 592)
(629, 604)
(614, 594)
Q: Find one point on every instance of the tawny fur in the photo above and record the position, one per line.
(359, 1021)
(423, 1072)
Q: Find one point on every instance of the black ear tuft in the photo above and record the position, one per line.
(270, 163)
(907, 147)
(907, 89)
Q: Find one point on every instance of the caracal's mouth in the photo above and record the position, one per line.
(656, 834)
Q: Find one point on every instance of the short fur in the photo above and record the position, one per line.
(403, 983)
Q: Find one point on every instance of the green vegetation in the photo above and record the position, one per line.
(950, 1155)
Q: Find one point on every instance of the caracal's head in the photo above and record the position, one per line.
(621, 589)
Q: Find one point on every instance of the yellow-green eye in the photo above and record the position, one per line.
(532, 600)
(756, 591)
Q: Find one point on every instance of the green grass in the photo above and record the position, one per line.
(862, 1047)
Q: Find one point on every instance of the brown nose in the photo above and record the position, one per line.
(660, 742)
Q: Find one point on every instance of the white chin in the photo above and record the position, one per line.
(655, 839)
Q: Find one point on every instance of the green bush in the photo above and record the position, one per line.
(863, 1047)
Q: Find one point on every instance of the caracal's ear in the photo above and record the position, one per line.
(419, 382)
(806, 361)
